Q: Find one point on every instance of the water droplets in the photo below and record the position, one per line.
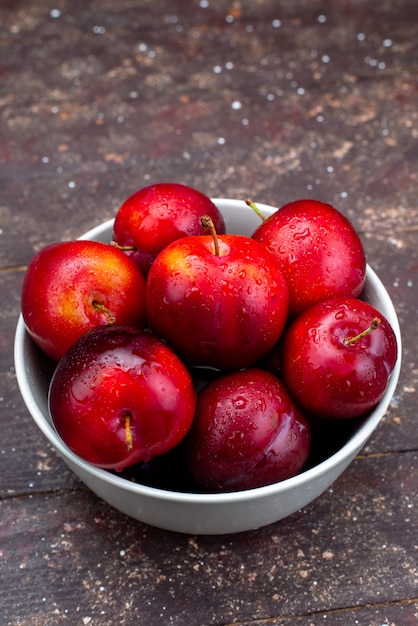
(314, 334)
(302, 234)
(99, 30)
(191, 292)
(240, 402)
(341, 314)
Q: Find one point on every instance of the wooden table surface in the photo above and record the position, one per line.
(273, 99)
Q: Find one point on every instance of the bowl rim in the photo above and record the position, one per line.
(356, 441)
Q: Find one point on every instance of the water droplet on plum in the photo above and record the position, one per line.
(340, 315)
(304, 234)
(240, 402)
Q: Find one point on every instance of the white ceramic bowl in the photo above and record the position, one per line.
(197, 513)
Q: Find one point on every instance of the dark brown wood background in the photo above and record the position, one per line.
(273, 99)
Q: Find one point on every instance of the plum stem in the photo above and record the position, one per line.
(375, 324)
(207, 222)
(255, 208)
(101, 307)
(128, 431)
(123, 248)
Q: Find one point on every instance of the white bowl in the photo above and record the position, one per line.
(198, 513)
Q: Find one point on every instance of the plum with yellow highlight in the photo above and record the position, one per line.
(73, 286)
(219, 300)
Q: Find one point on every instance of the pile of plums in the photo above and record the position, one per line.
(224, 348)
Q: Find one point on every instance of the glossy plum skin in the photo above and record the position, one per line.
(247, 433)
(154, 216)
(323, 374)
(68, 285)
(223, 311)
(318, 250)
(113, 372)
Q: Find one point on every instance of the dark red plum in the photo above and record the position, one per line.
(156, 215)
(336, 358)
(247, 433)
(318, 250)
(120, 396)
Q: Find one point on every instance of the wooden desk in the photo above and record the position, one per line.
(271, 99)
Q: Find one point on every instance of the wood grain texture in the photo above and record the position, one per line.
(349, 550)
(273, 99)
